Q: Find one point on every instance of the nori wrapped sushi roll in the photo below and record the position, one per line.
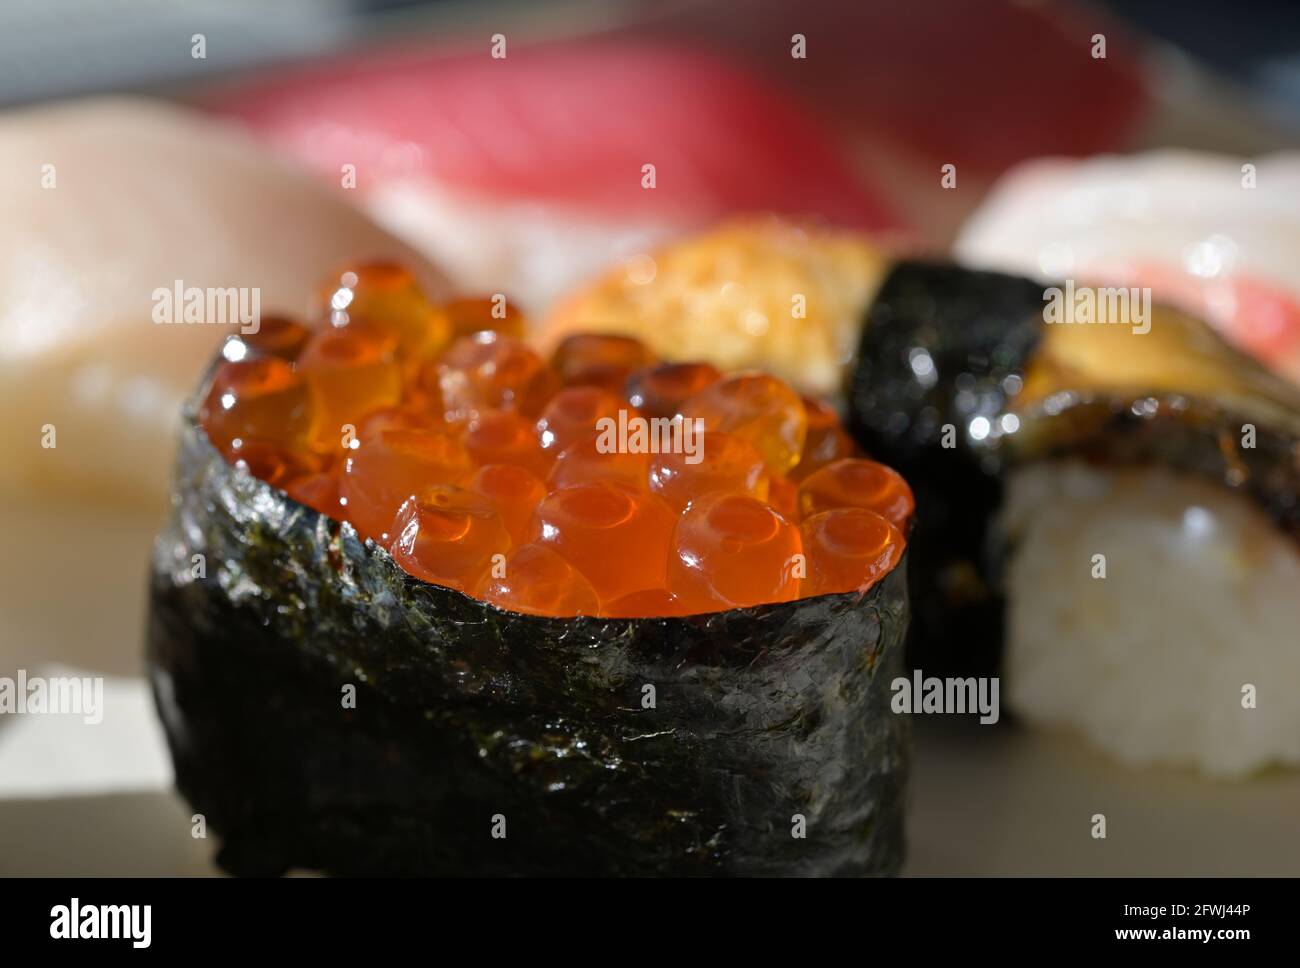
(327, 709)
(941, 351)
(1122, 491)
(959, 379)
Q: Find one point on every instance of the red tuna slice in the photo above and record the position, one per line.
(983, 83)
(574, 123)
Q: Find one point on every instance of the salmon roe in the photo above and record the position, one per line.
(277, 336)
(646, 603)
(514, 491)
(859, 484)
(598, 482)
(826, 442)
(352, 372)
(264, 400)
(535, 579)
(720, 462)
(450, 536)
(660, 390)
(382, 473)
(489, 371)
(272, 463)
(394, 418)
(588, 461)
(732, 550)
(319, 491)
(387, 296)
(475, 314)
(846, 548)
(600, 359)
(504, 437)
(760, 408)
(574, 416)
(614, 534)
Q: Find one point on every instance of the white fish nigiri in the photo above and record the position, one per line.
(106, 202)
(1217, 235)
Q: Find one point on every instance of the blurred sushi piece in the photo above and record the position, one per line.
(1216, 235)
(879, 74)
(106, 202)
(1032, 449)
(751, 292)
(1035, 61)
(1132, 490)
(527, 174)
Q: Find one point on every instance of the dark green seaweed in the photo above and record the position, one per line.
(465, 713)
(944, 345)
(1194, 436)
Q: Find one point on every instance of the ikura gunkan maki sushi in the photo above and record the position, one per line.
(430, 602)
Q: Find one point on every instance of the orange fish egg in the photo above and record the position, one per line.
(615, 535)
(478, 313)
(514, 491)
(760, 408)
(382, 473)
(262, 399)
(505, 437)
(488, 371)
(826, 441)
(448, 535)
(848, 549)
(733, 551)
(586, 461)
(783, 495)
(574, 414)
(272, 463)
(535, 580)
(387, 296)
(396, 418)
(600, 359)
(646, 603)
(660, 390)
(423, 391)
(856, 483)
(319, 491)
(351, 372)
(722, 462)
(277, 336)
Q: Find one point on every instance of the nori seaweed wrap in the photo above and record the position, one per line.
(469, 722)
(942, 346)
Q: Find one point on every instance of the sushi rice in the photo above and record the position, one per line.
(1155, 662)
